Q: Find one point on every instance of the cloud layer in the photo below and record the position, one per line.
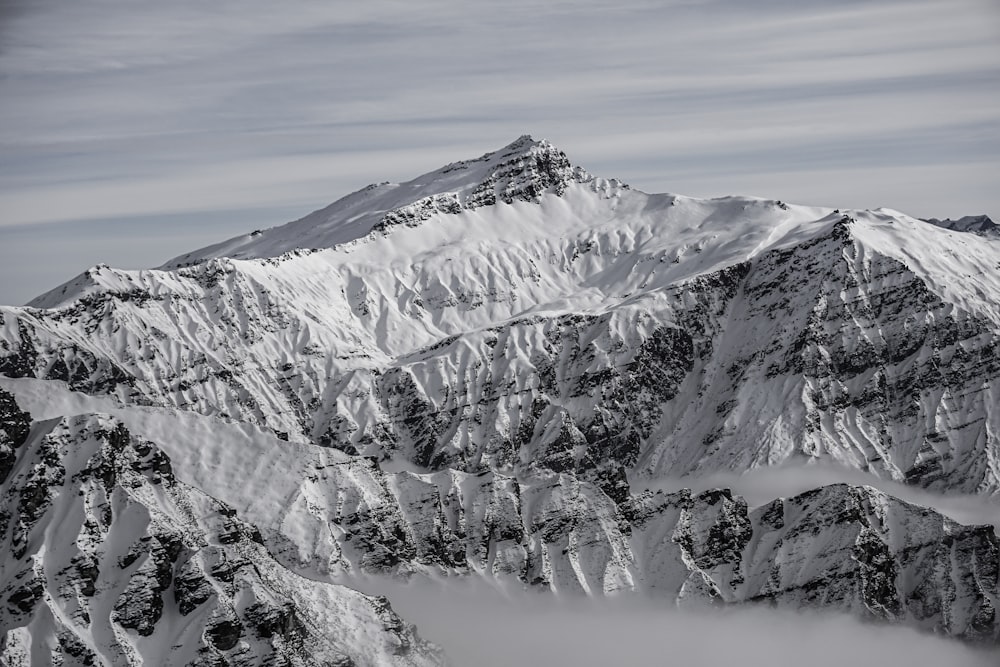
(486, 626)
(119, 110)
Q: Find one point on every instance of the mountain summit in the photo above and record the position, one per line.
(498, 370)
(523, 170)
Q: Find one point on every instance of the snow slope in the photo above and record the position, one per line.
(111, 560)
(701, 335)
(841, 548)
(482, 370)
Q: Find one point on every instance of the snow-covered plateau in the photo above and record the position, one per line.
(506, 371)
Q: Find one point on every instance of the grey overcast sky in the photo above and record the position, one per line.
(133, 131)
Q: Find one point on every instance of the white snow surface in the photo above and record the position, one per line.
(484, 370)
(128, 566)
(452, 290)
(307, 502)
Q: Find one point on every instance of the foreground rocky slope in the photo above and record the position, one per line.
(111, 560)
(840, 548)
(477, 372)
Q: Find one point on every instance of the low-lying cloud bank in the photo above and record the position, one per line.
(481, 625)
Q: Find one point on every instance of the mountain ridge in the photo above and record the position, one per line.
(521, 170)
(484, 370)
(459, 312)
(975, 224)
(890, 558)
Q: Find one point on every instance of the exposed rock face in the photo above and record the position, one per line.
(15, 424)
(845, 548)
(852, 549)
(975, 224)
(523, 171)
(523, 345)
(113, 561)
(863, 364)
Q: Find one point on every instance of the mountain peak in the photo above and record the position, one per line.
(975, 224)
(523, 170)
(527, 146)
(524, 144)
(526, 139)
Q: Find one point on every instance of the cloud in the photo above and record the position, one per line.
(114, 108)
(486, 625)
(259, 182)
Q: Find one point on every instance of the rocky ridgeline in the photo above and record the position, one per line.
(126, 559)
(532, 343)
(851, 549)
(976, 224)
(523, 171)
(111, 560)
(862, 365)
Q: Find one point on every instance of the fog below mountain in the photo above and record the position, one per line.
(483, 625)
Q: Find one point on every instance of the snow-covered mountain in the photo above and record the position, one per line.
(479, 372)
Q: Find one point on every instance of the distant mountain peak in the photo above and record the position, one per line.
(975, 224)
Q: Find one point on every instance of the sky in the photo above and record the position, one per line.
(131, 132)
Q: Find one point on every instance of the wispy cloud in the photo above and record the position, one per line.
(111, 108)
